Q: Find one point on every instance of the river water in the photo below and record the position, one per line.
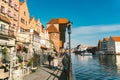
(96, 67)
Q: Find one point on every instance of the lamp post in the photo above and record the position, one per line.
(69, 32)
(11, 65)
(23, 54)
(70, 67)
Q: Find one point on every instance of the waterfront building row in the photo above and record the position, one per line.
(110, 45)
(18, 30)
(24, 39)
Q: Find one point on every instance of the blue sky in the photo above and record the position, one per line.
(92, 19)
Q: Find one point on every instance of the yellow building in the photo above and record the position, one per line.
(8, 24)
(35, 30)
(23, 33)
(23, 17)
(10, 9)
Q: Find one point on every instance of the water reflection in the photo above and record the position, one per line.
(96, 67)
(107, 60)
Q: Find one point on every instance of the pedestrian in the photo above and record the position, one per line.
(55, 62)
(65, 62)
(50, 59)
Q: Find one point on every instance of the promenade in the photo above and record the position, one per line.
(46, 73)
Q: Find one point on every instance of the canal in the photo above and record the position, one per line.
(96, 67)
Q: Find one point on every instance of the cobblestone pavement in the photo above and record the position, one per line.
(45, 73)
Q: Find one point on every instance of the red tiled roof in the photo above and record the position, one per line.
(52, 28)
(116, 38)
(107, 39)
(58, 21)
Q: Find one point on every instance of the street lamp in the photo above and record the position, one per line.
(23, 54)
(70, 66)
(11, 65)
(69, 32)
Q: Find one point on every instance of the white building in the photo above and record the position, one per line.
(114, 45)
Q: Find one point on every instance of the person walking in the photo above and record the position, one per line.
(50, 59)
(65, 62)
(55, 62)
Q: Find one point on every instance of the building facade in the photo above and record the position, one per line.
(100, 45)
(114, 45)
(105, 44)
(9, 11)
(57, 28)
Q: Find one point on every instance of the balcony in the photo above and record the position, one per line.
(4, 31)
(11, 33)
(7, 34)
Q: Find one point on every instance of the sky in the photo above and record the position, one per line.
(92, 20)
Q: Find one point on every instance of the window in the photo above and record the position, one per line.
(22, 30)
(22, 20)
(9, 13)
(15, 6)
(15, 17)
(24, 13)
(2, 9)
(11, 3)
(2, 27)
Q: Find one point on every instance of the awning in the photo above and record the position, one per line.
(4, 19)
(43, 47)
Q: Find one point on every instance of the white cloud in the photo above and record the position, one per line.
(89, 35)
(95, 29)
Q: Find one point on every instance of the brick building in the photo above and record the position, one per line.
(57, 28)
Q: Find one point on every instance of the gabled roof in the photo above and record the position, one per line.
(116, 38)
(106, 39)
(58, 21)
(52, 28)
(32, 18)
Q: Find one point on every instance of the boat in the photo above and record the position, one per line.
(101, 52)
(86, 54)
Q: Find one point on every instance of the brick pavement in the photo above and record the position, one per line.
(45, 73)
